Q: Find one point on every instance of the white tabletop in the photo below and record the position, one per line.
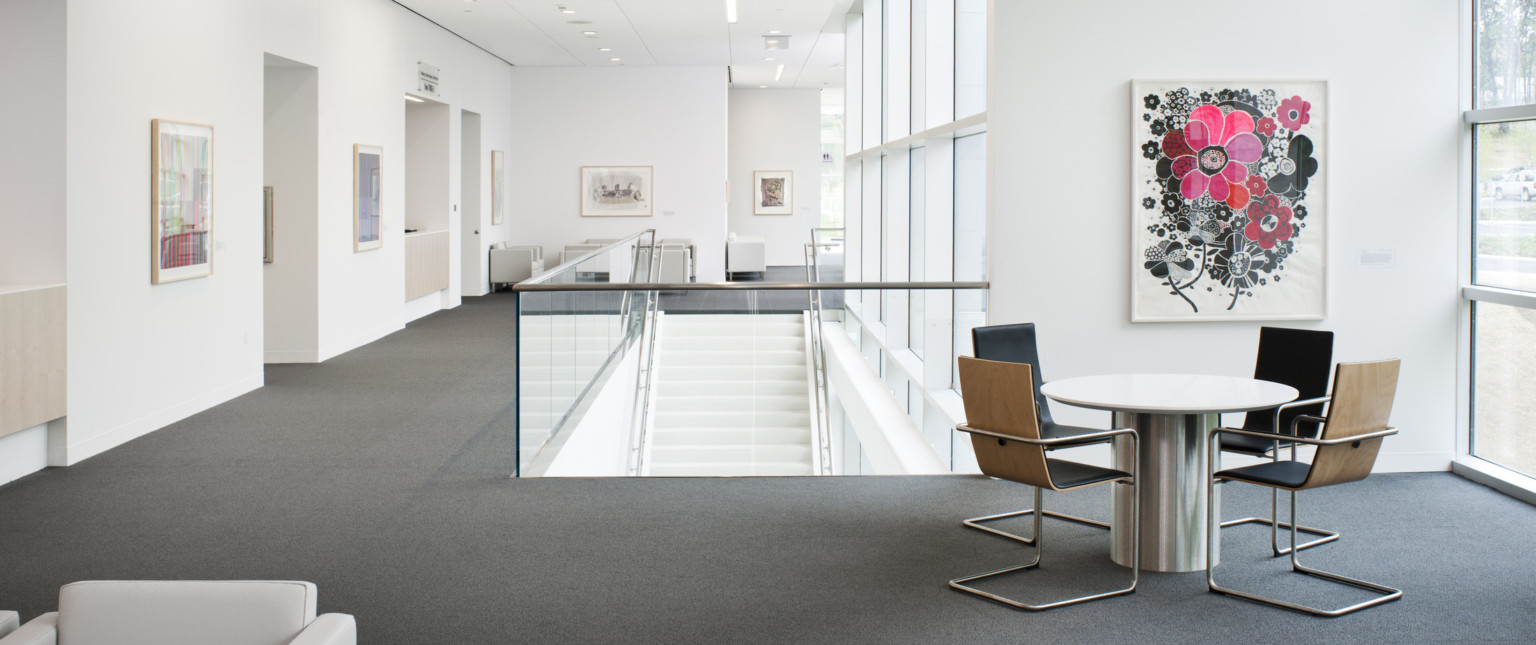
(1169, 393)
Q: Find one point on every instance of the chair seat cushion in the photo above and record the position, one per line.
(1070, 474)
(1248, 445)
(1281, 474)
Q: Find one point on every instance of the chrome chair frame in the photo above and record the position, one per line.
(1274, 499)
(1389, 594)
(1061, 442)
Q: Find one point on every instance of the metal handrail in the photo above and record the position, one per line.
(819, 358)
(748, 286)
(645, 369)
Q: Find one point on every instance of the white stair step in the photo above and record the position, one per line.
(733, 373)
(780, 402)
(727, 436)
(716, 418)
(740, 357)
(717, 454)
(733, 469)
(684, 342)
(668, 386)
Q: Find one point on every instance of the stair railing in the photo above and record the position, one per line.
(645, 368)
(819, 359)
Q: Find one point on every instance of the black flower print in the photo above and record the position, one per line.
(1149, 203)
(1151, 101)
(1150, 149)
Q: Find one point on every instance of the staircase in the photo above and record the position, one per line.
(559, 354)
(732, 397)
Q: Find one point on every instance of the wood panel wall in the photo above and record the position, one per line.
(32, 357)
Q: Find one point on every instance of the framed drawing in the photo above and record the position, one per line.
(268, 230)
(367, 222)
(1229, 200)
(498, 187)
(616, 191)
(181, 201)
(773, 192)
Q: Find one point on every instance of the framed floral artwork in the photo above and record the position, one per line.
(1229, 200)
(181, 201)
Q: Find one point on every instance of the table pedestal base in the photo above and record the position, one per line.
(1173, 473)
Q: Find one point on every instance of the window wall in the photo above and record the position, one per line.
(916, 141)
(1500, 328)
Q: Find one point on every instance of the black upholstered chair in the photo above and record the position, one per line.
(1016, 344)
(1358, 413)
(1005, 433)
(1303, 359)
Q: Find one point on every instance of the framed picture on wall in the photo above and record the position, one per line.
(367, 222)
(616, 191)
(773, 192)
(181, 201)
(269, 231)
(1229, 200)
(498, 187)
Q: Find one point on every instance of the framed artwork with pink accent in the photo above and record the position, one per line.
(1229, 188)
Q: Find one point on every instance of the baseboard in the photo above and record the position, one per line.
(349, 344)
(78, 452)
(290, 356)
(23, 453)
(1412, 462)
(422, 307)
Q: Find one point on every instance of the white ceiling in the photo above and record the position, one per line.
(657, 32)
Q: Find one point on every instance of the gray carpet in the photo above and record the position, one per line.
(381, 476)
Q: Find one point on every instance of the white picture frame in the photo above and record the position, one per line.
(367, 198)
(181, 201)
(773, 192)
(616, 191)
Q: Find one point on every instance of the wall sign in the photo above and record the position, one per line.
(428, 80)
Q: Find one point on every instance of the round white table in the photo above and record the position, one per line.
(1173, 414)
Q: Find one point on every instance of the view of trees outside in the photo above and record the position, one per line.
(1504, 337)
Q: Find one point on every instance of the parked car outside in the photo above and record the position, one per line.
(1520, 183)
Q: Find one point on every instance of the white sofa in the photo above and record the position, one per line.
(745, 255)
(513, 264)
(185, 612)
(676, 264)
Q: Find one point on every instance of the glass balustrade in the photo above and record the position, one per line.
(620, 375)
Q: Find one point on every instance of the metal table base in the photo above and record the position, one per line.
(1173, 491)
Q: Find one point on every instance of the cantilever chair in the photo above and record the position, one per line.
(1303, 359)
(1016, 344)
(1005, 434)
(1346, 450)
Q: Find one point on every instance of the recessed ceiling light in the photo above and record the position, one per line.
(565, 9)
(730, 11)
(779, 74)
(605, 49)
(768, 59)
(762, 87)
(589, 33)
(774, 31)
(614, 59)
(775, 42)
(578, 22)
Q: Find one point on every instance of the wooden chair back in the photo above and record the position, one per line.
(1000, 397)
(1362, 403)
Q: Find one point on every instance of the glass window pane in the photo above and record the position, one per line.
(1504, 46)
(915, 323)
(1505, 225)
(919, 65)
(970, 238)
(1503, 394)
(971, 57)
(832, 166)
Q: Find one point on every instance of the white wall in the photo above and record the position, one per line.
(427, 204)
(143, 356)
(776, 130)
(32, 143)
(1059, 134)
(670, 118)
(291, 310)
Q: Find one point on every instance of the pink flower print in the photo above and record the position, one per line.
(1293, 113)
(1265, 126)
(1269, 222)
(1210, 152)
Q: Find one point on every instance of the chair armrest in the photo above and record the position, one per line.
(1303, 440)
(43, 630)
(9, 621)
(1061, 442)
(1296, 404)
(327, 629)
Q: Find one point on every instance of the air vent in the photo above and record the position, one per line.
(729, 78)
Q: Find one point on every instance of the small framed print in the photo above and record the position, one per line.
(616, 191)
(498, 187)
(367, 222)
(181, 201)
(773, 192)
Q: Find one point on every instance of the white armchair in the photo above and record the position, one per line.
(9, 621)
(511, 264)
(745, 255)
(676, 264)
(184, 612)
